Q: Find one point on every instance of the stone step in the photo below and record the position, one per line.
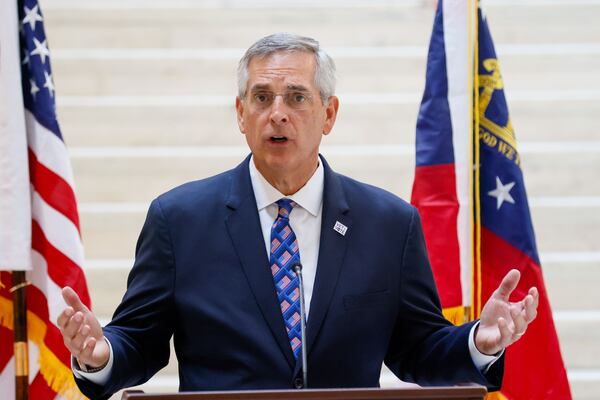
(586, 389)
(356, 75)
(579, 343)
(146, 27)
(356, 124)
(131, 179)
(570, 287)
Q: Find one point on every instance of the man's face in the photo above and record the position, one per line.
(282, 115)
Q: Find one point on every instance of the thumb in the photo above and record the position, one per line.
(73, 300)
(508, 284)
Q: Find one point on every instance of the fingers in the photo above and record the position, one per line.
(81, 331)
(519, 321)
(508, 284)
(75, 332)
(530, 307)
(536, 296)
(72, 299)
(64, 317)
(87, 350)
(505, 333)
(72, 326)
(79, 340)
(521, 313)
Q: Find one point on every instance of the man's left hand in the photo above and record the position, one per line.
(502, 323)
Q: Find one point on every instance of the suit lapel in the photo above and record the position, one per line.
(332, 249)
(244, 228)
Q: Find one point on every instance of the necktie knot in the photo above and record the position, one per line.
(285, 207)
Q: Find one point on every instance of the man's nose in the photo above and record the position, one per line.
(279, 113)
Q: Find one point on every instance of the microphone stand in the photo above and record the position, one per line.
(297, 267)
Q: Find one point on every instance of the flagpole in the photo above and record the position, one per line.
(21, 352)
(477, 165)
(468, 309)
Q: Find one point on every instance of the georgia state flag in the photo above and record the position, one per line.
(470, 192)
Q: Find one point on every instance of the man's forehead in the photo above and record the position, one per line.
(284, 55)
(293, 67)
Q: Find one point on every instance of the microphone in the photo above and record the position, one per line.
(297, 268)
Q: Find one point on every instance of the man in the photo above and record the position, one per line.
(214, 264)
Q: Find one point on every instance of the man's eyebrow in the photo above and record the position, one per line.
(266, 86)
(298, 88)
(260, 86)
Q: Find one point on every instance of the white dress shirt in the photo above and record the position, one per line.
(305, 220)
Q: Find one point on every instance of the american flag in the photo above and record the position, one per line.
(39, 222)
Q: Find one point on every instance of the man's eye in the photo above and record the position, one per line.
(299, 98)
(261, 97)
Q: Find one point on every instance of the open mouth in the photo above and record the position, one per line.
(278, 139)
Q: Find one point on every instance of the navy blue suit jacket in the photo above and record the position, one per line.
(202, 275)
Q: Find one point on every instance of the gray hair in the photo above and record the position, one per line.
(288, 42)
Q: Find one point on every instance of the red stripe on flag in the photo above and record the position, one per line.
(37, 302)
(53, 189)
(434, 194)
(6, 335)
(6, 346)
(38, 389)
(534, 368)
(61, 269)
(56, 344)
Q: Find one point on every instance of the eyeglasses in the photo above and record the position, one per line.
(296, 100)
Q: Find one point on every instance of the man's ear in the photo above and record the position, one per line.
(239, 108)
(331, 114)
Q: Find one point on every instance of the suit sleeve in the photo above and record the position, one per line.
(141, 327)
(425, 347)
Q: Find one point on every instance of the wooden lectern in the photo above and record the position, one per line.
(431, 393)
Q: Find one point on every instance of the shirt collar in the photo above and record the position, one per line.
(309, 197)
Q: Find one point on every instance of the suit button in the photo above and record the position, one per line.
(298, 383)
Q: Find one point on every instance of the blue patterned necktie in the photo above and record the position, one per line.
(284, 254)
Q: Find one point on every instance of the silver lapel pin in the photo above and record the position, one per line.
(340, 228)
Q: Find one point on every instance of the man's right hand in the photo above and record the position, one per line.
(82, 332)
